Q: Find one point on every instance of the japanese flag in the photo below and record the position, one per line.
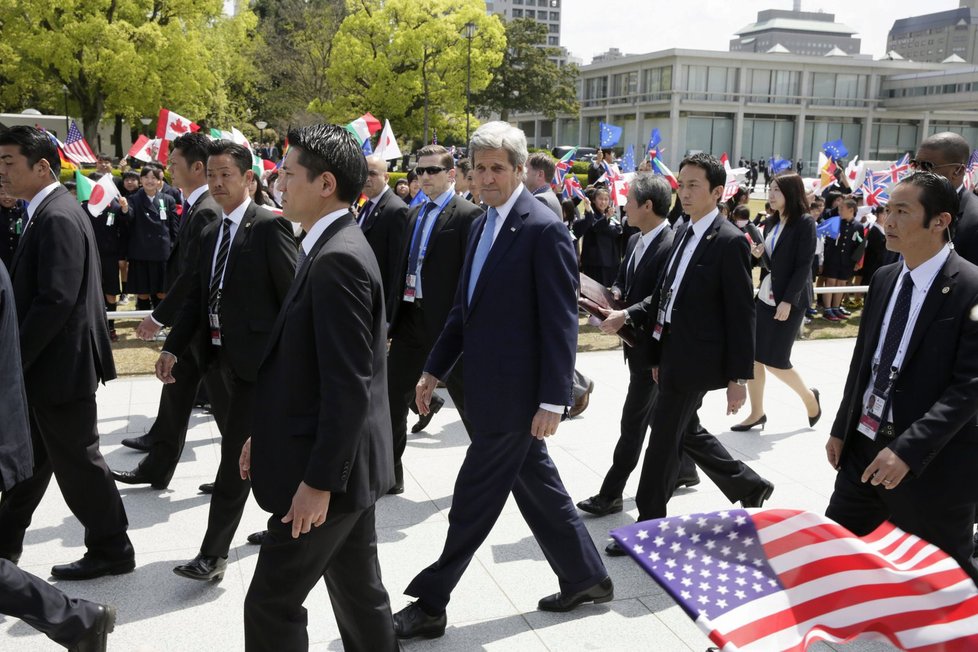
(99, 193)
(387, 148)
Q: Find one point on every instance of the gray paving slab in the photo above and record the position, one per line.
(494, 607)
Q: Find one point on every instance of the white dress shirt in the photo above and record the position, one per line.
(699, 227)
(37, 199)
(195, 195)
(923, 277)
(642, 246)
(236, 216)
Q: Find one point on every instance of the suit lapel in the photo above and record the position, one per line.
(507, 236)
(375, 212)
(444, 218)
(940, 289)
(647, 256)
(240, 237)
(28, 230)
(874, 319)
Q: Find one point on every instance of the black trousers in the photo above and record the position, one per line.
(62, 619)
(494, 465)
(169, 431)
(860, 507)
(230, 491)
(65, 441)
(405, 363)
(342, 552)
(636, 419)
(671, 436)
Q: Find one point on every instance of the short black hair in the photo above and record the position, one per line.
(35, 144)
(937, 196)
(130, 174)
(716, 176)
(740, 212)
(151, 170)
(445, 160)
(463, 165)
(952, 146)
(542, 162)
(240, 154)
(331, 148)
(193, 146)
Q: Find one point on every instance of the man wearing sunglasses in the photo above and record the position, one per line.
(946, 154)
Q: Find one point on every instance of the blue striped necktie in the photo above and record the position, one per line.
(482, 250)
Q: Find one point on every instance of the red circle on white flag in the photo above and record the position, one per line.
(98, 194)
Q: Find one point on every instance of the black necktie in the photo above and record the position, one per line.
(365, 212)
(300, 258)
(219, 265)
(674, 268)
(894, 334)
(416, 245)
(186, 209)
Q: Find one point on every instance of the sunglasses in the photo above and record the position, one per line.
(927, 166)
(431, 170)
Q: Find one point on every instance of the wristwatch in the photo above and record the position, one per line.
(628, 319)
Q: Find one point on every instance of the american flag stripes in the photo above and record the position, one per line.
(76, 147)
(779, 580)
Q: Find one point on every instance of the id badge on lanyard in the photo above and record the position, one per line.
(214, 324)
(110, 219)
(874, 412)
(162, 211)
(660, 319)
(410, 284)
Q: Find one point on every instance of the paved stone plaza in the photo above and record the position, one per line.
(494, 607)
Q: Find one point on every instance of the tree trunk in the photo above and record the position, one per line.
(504, 115)
(91, 115)
(424, 87)
(117, 135)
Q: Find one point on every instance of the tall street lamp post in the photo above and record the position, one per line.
(469, 33)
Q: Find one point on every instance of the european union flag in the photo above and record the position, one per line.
(654, 139)
(778, 164)
(628, 160)
(835, 149)
(610, 134)
(829, 227)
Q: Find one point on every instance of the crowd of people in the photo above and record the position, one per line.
(348, 302)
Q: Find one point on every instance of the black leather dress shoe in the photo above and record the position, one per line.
(614, 550)
(203, 568)
(757, 497)
(96, 638)
(257, 538)
(396, 490)
(412, 621)
(141, 443)
(206, 488)
(423, 421)
(690, 481)
(138, 477)
(603, 591)
(89, 567)
(600, 506)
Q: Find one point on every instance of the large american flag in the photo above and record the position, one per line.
(770, 580)
(76, 148)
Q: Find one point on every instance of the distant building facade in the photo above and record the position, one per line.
(797, 32)
(937, 36)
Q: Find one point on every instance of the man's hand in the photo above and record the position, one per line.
(309, 507)
(736, 397)
(655, 375)
(833, 451)
(164, 367)
(783, 311)
(147, 329)
(613, 321)
(244, 461)
(423, 391)
(887, 470)
(616, 292)
(544, 423)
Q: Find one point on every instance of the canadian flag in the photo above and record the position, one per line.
(170, 125)
(145, 149)
(387, 148)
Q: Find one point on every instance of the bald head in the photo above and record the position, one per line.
(377, 176)
(946, 154)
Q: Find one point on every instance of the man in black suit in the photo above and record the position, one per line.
(165, 439)
(649, 199)
(905, 436)
(702, 323)
(64, 345)
(514, 326)
(320, 452)
(383, 220)
(75, 624)
(946, 154)
(240, 275)
(425, 284)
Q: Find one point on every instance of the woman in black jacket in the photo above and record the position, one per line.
(599, 232)
(785, 293)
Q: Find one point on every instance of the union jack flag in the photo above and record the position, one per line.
(969, 176)
(571, 187)
(876, 188)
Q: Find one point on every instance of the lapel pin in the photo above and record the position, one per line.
(945, 290)
(512, 228)
(248, 225)
(709, 237)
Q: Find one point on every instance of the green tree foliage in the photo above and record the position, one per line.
(406, 60)
(526, 79)
(127, 57)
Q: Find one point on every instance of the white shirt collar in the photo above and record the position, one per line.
(39, 197)
(923, 275)
(702, 225)
(195, 195)
(375, 199)
(238, 213)
(651, 235)
(317, 229)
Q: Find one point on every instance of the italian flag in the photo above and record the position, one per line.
(99, 194)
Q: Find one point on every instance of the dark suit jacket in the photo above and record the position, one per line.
(386, 231)
(204, 211)
(518, 337)
(109, 238)
(442, 264)
(791, 264)
(711, 338)
(324, 417)
(935, 399)
(150, 236)
(599, 240)
(16, 455)
(550, 200)
(639, 287)
(966, 227)
(875, 256)
(64, 336)
(260, 268)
